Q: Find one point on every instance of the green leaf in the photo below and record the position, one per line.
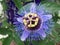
(5, 31)
(57, 28)
(46, 41)
(5, 24)
(7, 41)
(26, 0)
(17, 39)
(55, 33)
(51, 7)
(18, 3)
(55, 17)
(4, 5)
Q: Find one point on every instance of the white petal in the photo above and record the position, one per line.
(3, 36)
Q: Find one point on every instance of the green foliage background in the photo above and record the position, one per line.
(52, 39)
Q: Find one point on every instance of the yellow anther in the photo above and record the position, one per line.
(30, 17)
(25, 22)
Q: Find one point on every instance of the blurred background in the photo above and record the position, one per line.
(9, 37)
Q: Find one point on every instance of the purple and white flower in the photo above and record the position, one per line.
(34, 23)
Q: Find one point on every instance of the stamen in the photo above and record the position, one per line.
(32, 21)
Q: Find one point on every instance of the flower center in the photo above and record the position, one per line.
(31, 20)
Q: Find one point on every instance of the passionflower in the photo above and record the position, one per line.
(35, 23)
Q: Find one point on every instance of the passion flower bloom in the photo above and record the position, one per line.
(34, 24)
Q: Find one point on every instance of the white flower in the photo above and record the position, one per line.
(3, 36)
